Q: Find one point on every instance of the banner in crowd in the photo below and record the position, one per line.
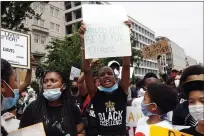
(15, 48)
(155, 49)
(34, 130)
(165, 132)
(106, 34)
(133, 115)
(75, 72)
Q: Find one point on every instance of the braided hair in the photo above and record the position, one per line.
(40, 110)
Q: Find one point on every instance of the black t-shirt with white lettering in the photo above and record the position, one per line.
(107, 115)
(192, 131)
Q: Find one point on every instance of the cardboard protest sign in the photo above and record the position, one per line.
(160, 131)
(155, 49)
(15, 48)
(75, 72)
(131, 71)
(133, 115)
(34, 130)
(106, 34)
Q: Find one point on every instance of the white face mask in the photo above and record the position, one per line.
(52, 94)
(176, 82)
(197, 112)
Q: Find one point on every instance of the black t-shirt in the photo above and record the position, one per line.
(192, 131)
(77, 100)
(181, 116)
(107, 115)
(53, 120)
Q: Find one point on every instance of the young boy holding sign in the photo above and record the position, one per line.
(108, 101)
(158, 100)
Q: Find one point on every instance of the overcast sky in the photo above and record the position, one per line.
(182, 22)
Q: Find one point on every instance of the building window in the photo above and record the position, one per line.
(35, 21)
(43, 39)
(68, 17)
(56, 12)
(98, 2)
(69, 29)
(52, 26)
(42, 23)
(36, 38)
(68, 5)
(77, 3)
(52, 11)
(57, 28)
(78, 13)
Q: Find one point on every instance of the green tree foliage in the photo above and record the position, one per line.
(14, 12)
(63, 54)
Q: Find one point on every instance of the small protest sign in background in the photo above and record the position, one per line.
(15, 48)
(75, 72)
(155, 49)
(106, 34)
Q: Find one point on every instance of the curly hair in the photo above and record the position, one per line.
(191, 70)
(163, 95)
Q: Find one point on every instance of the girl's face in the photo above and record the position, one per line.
(52, 80)
(106, 77)
(12, 82)
(196, 97)
(196, 105)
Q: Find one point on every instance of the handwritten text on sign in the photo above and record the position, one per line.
(156, 49)
(15, 48)
(160, 131)
(106, 34)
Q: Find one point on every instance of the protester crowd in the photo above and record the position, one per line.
(95, 103)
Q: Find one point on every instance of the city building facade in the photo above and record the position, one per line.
(50, 26)
(145, 36)
(190, 61)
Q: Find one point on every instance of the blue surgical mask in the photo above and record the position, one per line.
(145, 111)
(9, 102)
(108, 90)
(52, 94)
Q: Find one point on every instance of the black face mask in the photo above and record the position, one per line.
(74, 89)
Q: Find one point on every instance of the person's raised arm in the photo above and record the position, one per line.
(86, 66)
(126, 69)
(82, 85)
(27, 80)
